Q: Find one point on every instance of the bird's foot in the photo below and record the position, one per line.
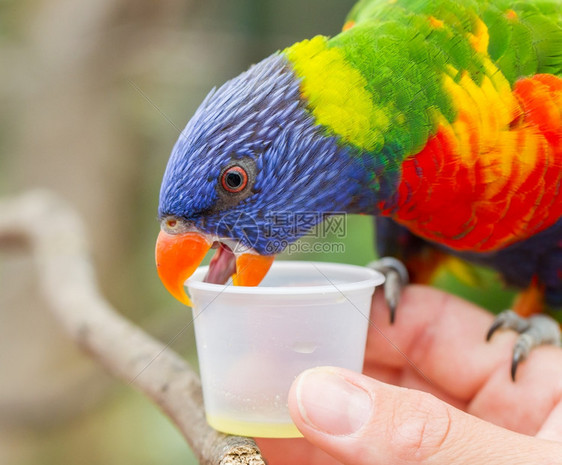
(533, 331)
(396, 278)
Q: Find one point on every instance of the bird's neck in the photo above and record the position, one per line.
(338, 97)
(370, 180)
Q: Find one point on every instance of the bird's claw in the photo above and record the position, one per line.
(508, 319)
(396, 278)
(533, 331)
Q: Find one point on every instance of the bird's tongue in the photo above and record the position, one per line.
(222, 266)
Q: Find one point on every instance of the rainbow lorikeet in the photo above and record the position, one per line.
(441, 118)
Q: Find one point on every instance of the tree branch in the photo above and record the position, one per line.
(67, 279)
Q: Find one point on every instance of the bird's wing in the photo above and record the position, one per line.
(490, 172)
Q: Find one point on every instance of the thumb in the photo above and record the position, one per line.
(359, 420)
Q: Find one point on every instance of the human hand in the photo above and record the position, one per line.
(461, 406)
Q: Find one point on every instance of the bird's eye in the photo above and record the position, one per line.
(234, 179)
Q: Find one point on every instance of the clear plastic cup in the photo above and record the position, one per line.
(252, 342)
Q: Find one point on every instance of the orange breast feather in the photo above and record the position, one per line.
(493, 176)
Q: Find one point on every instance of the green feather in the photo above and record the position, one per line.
(529, 44)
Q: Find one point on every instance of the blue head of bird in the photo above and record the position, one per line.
(250, 174)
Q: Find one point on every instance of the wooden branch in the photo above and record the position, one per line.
(57, 239)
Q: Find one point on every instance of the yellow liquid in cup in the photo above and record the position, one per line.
(253, 429)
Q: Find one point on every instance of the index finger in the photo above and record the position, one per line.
(440, 338)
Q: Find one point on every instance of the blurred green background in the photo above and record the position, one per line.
(92, 95)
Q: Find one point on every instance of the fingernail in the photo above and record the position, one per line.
(330, 403)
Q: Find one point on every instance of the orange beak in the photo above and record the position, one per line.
(251, 269)
(178, 255)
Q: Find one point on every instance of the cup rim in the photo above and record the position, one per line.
(375, 279)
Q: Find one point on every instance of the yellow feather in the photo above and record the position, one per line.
(462, 270)
(351, 114)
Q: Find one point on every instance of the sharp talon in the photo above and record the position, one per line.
(497, 324)
(515, 363)
(533, 331)
(392, 309)
(396, 277)
(392, 291)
